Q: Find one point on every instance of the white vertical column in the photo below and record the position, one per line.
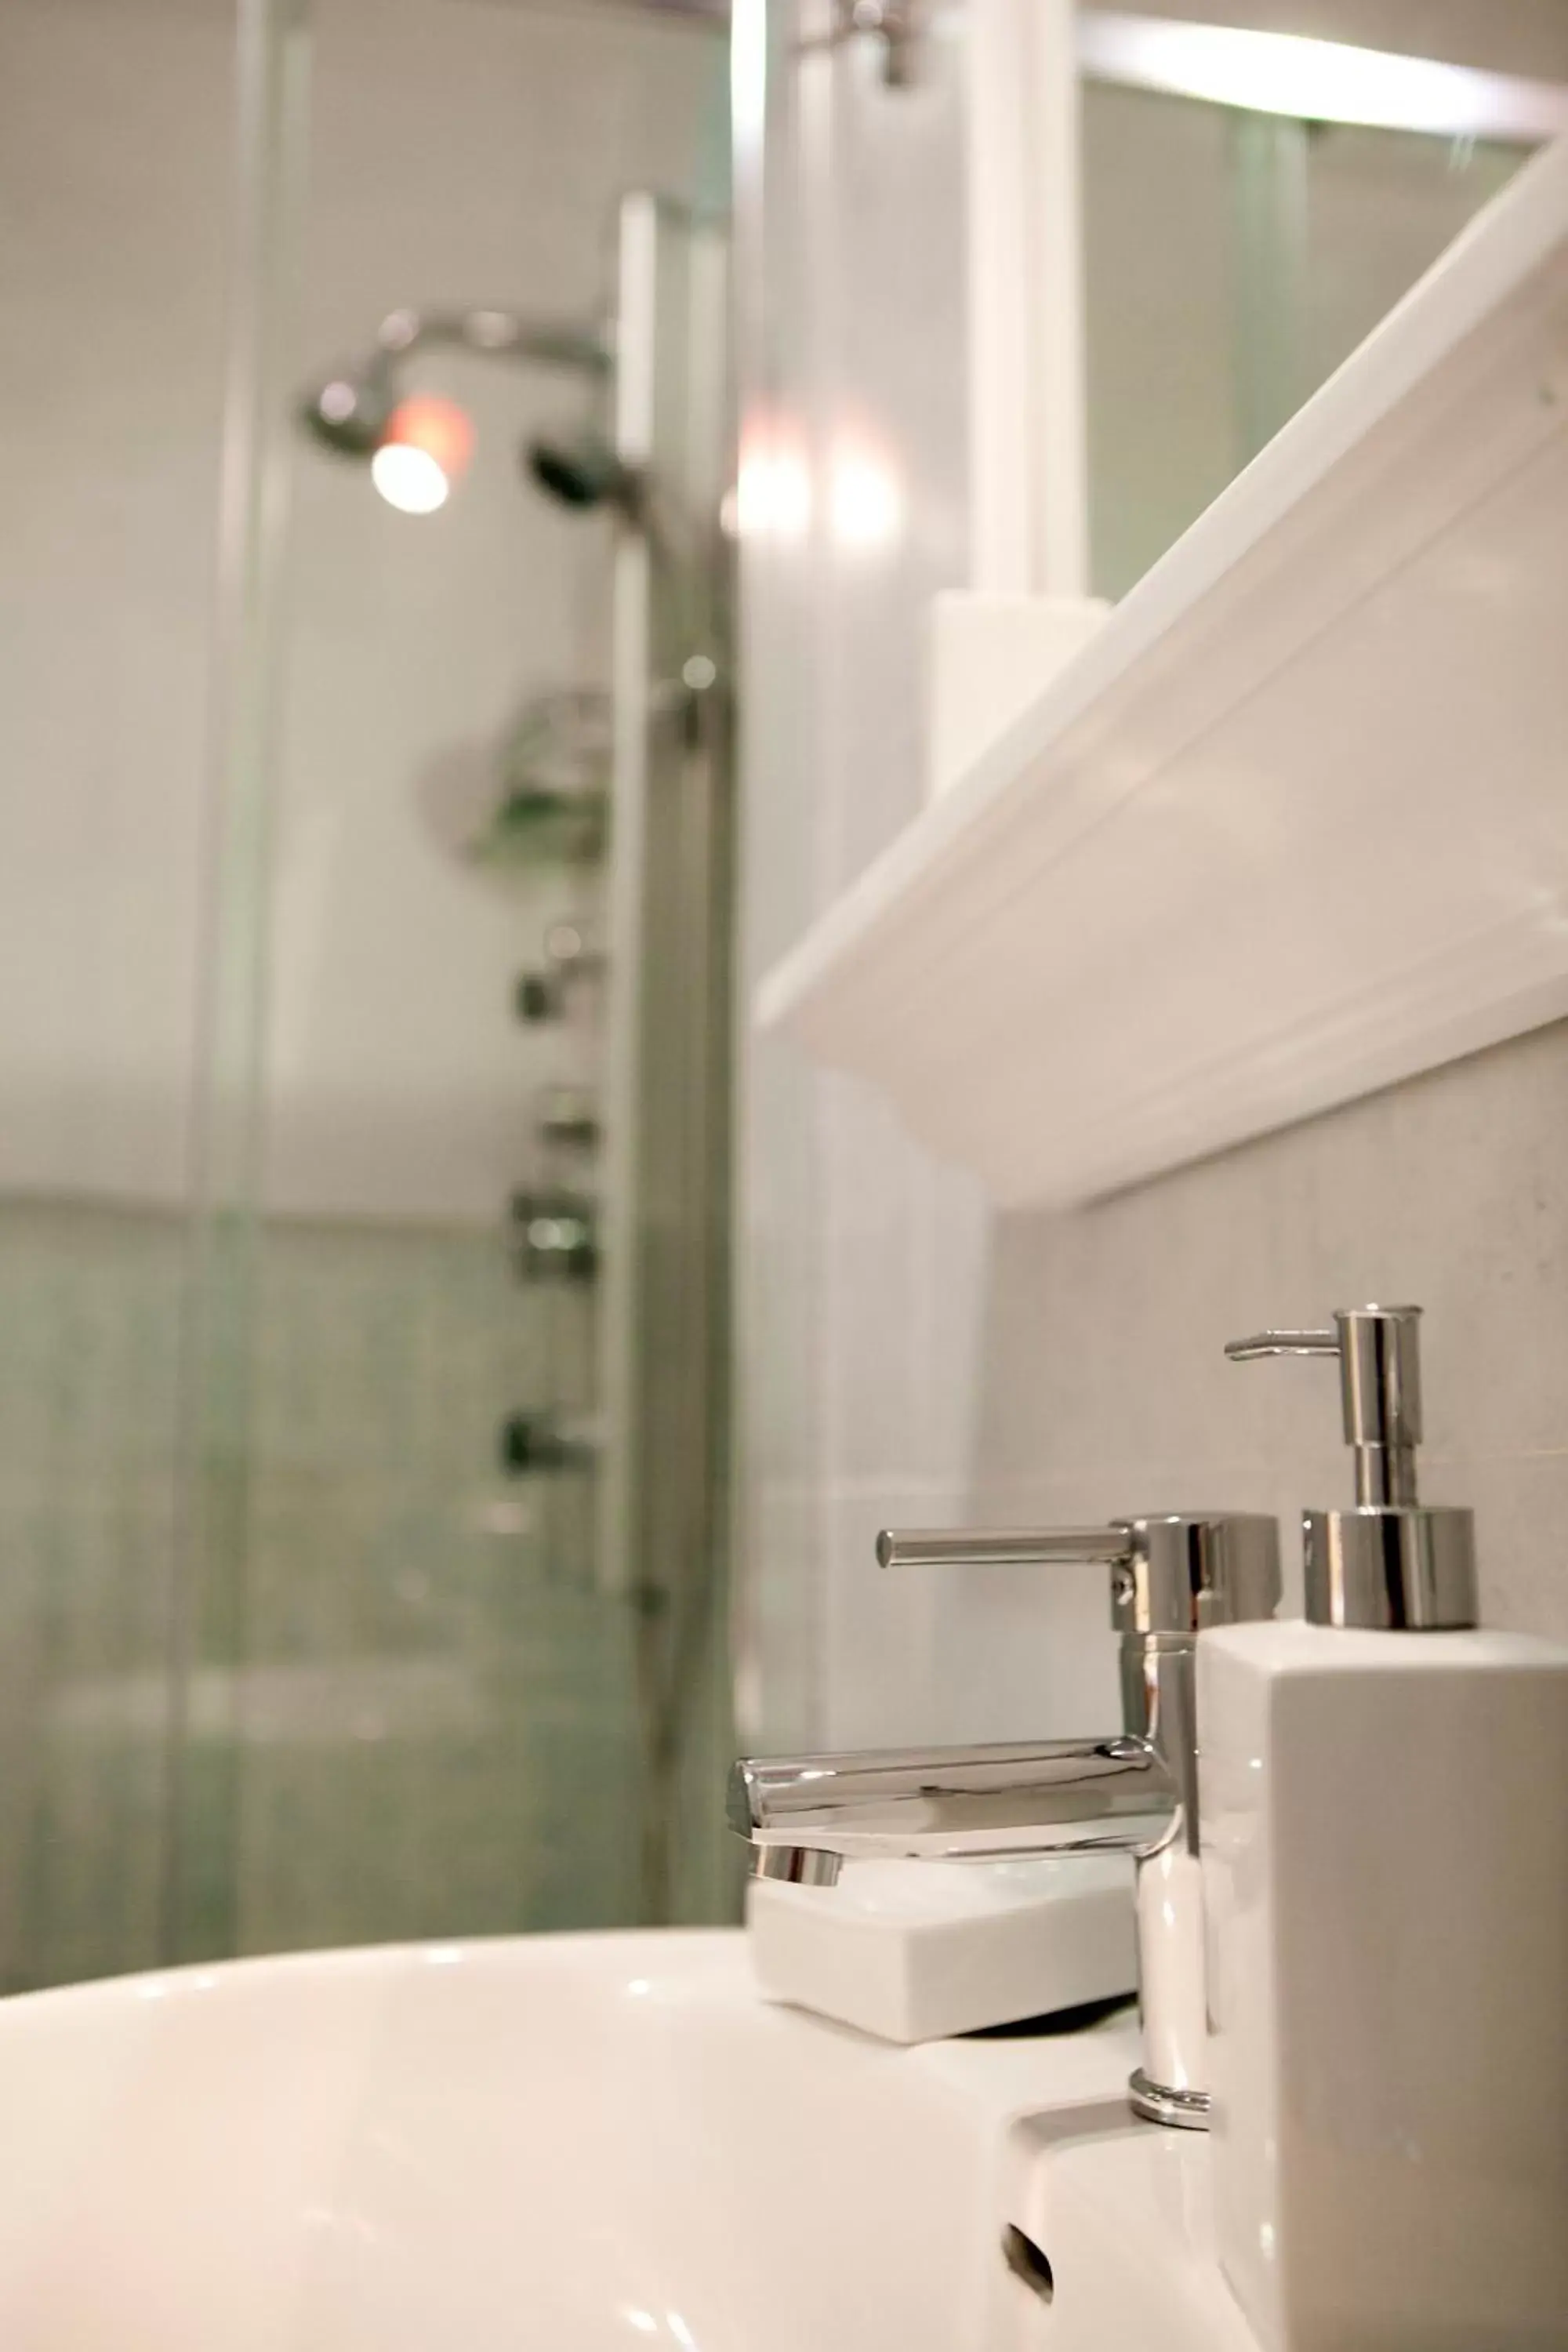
(1028, 610)
(619, 1291)
(1027, 447)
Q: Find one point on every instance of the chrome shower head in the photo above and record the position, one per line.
(584, 472)
(349, 411)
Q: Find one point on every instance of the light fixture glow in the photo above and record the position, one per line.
(410, 479)
(773, 485)
(439, 426)
(790, 495)
(749, 73)
(428, 442)
(1316, 82)
(865, 502)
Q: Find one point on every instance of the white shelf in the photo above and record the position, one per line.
(1295, 824)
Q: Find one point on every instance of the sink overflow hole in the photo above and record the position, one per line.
(1025, 2261)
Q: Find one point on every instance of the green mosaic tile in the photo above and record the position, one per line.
(408, 1722)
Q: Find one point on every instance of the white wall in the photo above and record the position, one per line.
(114, 192)
(458, 150)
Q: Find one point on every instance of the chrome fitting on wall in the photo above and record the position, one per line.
(895, 23)
(556, 1236)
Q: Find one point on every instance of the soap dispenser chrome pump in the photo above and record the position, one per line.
(1384, 1798)
(1392, 1562)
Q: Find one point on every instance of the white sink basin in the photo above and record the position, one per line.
(567, 2143)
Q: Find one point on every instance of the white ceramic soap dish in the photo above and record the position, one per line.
(914, 1951)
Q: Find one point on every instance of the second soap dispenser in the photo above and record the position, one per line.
(1384, 1793)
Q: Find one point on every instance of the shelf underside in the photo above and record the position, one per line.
(1295, 824)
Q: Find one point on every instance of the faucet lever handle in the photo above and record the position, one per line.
(999, 1547)
(1173, 1572)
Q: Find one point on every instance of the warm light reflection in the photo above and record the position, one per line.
(772, 487)
(428, 443)
(775, 497)
(409, 479)
(865, 499)
(1316, 82)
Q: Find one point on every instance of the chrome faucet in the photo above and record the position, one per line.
(1134, 1792)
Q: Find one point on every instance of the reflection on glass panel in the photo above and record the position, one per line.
(314, 1064)
(111, 359)
(1233, 260)
(450, 1683)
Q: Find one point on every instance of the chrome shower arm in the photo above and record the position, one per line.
(495, 334)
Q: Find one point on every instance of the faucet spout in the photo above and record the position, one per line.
(1116, 1795)
(1173, 1574)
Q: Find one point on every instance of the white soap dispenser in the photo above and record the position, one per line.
(1385, 1798)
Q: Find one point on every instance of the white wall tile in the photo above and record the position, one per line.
(1449, 1191)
